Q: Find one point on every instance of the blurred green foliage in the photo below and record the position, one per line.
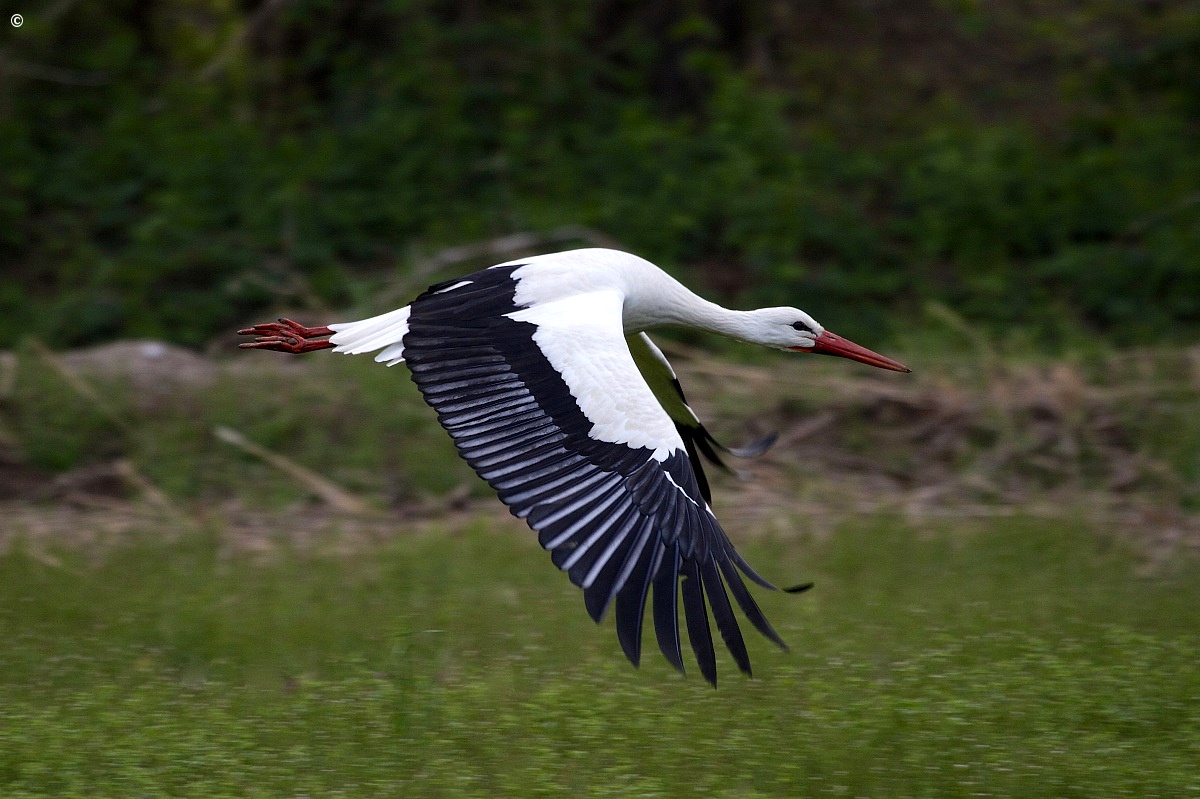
(172, 169)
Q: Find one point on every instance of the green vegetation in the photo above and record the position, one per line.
(989, 185)
(1009, 658)
(173, 170)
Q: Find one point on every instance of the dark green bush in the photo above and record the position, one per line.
(160, 179)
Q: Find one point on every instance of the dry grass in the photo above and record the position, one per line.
(1113, 439)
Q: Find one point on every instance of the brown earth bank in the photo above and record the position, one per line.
(979, 437)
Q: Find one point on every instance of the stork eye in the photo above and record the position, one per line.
(802, 326)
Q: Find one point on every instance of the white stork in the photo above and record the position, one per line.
(541, 372)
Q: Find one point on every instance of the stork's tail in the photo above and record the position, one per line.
(384, 332)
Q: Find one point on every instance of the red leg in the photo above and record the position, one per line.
(286, 336)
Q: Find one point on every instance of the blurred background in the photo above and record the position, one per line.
(172, 169)
(235, 570)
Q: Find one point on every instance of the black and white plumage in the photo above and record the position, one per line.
(541, 372)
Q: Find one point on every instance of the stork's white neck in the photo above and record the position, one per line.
(704, 315)
(650, 297)
(667, 303)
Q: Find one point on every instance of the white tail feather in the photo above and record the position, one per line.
(367, 335)
(392, 355)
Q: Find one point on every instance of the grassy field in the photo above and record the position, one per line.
(1011, 657)
(225, 638)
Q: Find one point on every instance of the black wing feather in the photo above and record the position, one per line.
(631, 602)
(666, 608)
(696, 614)
(723, 612)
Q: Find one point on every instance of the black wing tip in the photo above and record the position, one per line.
(754, 448)
(594, 602)
(722, 611)
(798, 589)
(666, 609)
(695, 615)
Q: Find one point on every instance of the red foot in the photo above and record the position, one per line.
(286, 336)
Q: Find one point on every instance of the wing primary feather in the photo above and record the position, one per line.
(723, 613)
(711, 449)
(607, 576)
(736, 557)
(746, 602)
(631, 603)
(630, 555)
(696, 614)
(708, 446)
(575, 546)
(666, 608)
(754, 448)
(746, 568)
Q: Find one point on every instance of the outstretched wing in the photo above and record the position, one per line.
(546, 404)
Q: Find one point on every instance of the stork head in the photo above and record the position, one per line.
(794, 330)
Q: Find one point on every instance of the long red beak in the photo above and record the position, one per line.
(830, 344)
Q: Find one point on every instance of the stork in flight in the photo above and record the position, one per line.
(541, 371)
